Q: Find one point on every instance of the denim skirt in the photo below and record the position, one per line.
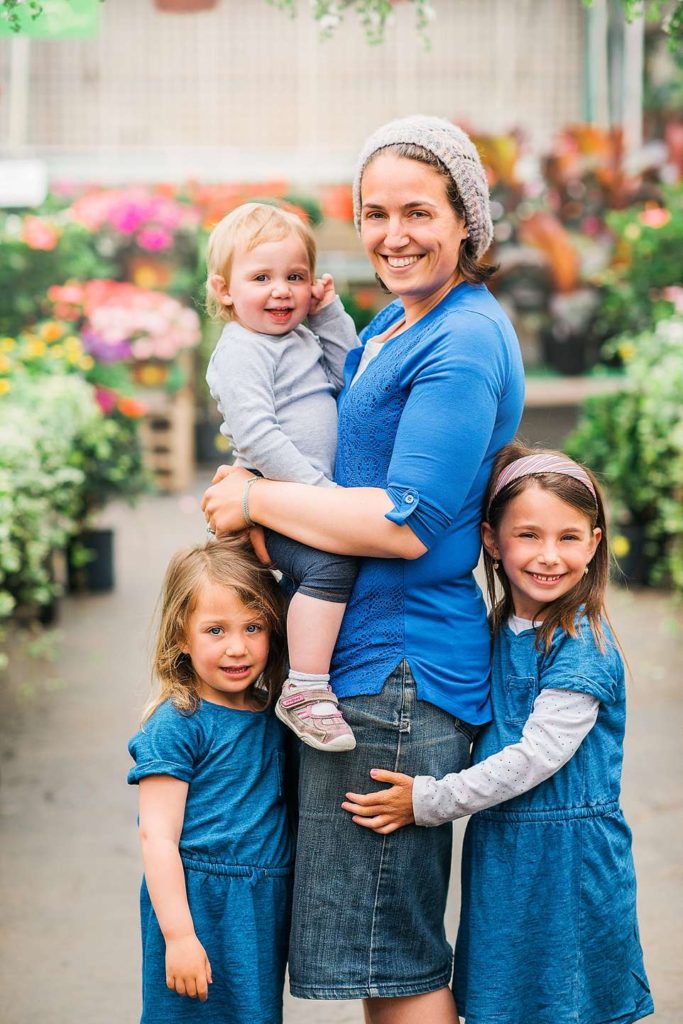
(368, 916)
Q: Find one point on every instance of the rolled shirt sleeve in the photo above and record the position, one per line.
(446, 426)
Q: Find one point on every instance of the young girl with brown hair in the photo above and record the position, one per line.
(209, 760)
(548, 930)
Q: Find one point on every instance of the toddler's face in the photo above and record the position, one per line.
(270, 286)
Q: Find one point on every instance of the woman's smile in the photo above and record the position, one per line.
(410, 231)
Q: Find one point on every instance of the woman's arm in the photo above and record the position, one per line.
(162, 809)
(346, 521)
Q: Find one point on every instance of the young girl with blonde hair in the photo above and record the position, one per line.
(209, 761)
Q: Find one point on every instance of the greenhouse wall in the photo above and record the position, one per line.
(166, 95)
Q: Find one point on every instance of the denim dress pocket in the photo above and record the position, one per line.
(520, 692)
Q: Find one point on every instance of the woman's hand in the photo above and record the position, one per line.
(222, 502)
(188, 971)
(385, 810)
(256, 535)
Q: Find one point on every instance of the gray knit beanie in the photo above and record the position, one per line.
(458, 154)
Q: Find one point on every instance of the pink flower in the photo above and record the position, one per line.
(106, 399)
(154, 239)
(38, 235)
(655, 217)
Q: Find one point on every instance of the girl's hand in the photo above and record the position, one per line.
(385, 810)
(322, 293)
(222, 502)
(188, 971)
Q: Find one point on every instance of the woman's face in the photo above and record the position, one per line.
(410, 231)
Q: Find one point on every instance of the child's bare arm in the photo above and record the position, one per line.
(162, 808)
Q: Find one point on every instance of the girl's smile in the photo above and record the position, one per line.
(544, 545)
(228, 645)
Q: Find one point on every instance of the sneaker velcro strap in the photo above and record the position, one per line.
(301, 698)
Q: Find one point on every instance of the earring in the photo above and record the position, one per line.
(585, 571)
(496, 566)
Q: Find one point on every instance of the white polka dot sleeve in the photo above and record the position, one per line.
(559, 722)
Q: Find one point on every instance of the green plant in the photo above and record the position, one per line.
(61, 458)
(647, 261)
(669, 13)
(372, 14)
(39, 489)
(35, 253)
(107, 452)
(10, 11)
(633, 439)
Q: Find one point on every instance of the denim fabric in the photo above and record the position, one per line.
(368, 909)
(241, 916)
(315, 573)
(548, 928)
(236, 848)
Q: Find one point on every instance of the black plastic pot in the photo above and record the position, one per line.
(570, 354)
(207, 444)
(636, 564)
(96, 575)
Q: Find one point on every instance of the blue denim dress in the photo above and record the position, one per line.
(237, 854)
(548, 930)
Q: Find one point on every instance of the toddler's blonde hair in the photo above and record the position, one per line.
(246, 227)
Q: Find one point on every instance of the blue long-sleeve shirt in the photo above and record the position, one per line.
(424, 422)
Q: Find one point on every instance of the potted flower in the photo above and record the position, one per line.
(120, 323)
(108, 454)
(149, 231)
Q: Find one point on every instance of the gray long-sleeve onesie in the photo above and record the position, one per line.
(276, 394)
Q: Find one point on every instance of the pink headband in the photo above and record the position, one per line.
(541, 463)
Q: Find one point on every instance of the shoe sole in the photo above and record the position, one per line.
(339, 746)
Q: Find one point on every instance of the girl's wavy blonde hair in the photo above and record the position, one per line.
(246, 227)
(588, 596)
(230, 562)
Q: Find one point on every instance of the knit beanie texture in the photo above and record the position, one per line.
(455, 150)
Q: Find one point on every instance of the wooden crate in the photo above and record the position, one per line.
(167, 437)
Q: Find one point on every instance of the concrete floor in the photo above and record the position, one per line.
(69, 945)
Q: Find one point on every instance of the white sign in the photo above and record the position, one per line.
(22, 183)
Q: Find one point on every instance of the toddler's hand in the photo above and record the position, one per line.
(385, 810)
(322, 293)
(188, 971)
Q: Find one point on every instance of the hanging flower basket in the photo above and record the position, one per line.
(184, 6)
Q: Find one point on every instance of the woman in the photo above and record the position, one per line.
(434, 394)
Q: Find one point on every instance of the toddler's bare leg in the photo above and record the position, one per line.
(312, 630)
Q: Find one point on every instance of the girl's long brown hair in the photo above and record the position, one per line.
(230, 562)
(588, 596)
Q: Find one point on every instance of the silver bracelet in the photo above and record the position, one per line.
(248, 521)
